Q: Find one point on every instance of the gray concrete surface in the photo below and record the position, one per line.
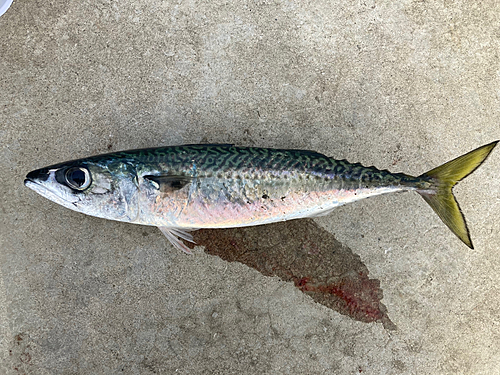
(401, 85)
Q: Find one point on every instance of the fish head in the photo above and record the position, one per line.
(106, 189)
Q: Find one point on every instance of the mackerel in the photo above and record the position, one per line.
(180, 189)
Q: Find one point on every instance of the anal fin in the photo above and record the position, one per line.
(174, 235)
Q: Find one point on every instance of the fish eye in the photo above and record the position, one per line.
(78, 178)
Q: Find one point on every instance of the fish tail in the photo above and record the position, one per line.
(441, 197)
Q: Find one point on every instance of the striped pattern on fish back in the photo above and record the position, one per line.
(209, 160)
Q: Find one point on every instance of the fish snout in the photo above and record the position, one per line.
(37, 176)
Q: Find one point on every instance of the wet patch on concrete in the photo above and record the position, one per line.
(301, 252)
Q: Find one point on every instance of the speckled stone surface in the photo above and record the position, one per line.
(400, 85)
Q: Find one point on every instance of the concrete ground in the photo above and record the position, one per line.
(401, 85)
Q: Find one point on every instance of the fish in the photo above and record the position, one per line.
(181, 189)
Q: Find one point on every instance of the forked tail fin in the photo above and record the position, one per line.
(445, 177)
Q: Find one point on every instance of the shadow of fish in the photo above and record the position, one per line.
(301, 252)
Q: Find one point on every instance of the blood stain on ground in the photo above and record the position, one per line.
(301, 252)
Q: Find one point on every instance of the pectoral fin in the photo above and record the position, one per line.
(174, 235)
(169, 183)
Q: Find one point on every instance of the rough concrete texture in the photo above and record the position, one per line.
(402, 85)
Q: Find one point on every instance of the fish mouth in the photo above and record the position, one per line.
(48, 193)
(40, 189)
(29, 182)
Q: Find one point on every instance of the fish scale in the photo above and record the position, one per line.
(258, 185)
(185, 188)
(215, 158)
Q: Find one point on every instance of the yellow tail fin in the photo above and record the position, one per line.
(445, 177)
